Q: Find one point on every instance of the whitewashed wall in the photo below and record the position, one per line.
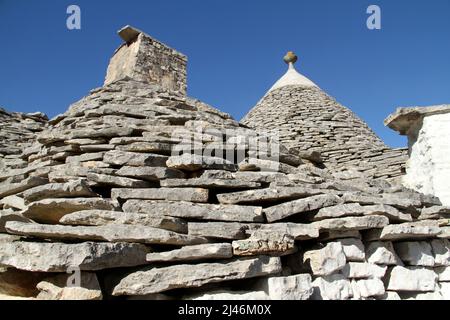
(428, 169)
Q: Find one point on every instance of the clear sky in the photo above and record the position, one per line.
(235, 50)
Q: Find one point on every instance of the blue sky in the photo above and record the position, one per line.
(235, 50)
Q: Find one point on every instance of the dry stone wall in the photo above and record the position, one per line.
(137, 192)
(109, 196)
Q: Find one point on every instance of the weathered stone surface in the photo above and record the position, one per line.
(435, 212)
(104, 217)
(144, 146)
(333, 287)
(85, 157)
(77, 188)
(52, 210)
(169, 194)
(124, 158)
(218, 230)
(361, 270)
(60, 287)
(210, 183)
(412, 279)
(149, 173)
(296, 287)
(9, 215)
(367, 288)
(58, 257)
(230, 295)
(111, 233)
(386, 199)
(340, 210)
(415, 253)
(405, 231)
(14, 202)
(443, 273)
(193, 162)
(353, 249)
(265, 243)
(109, 180)
(382, 253)
(336, 234)
(441, 251)
(187, 276)
(288, 209)
(297, 230)
(7, 238)
(7, 188)
(192, 253)
(267, 195)
(352, 223)
(327, 260)
(355, 209)
(199, 211)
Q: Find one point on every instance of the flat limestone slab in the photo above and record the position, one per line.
(352, 223)
(188, 276)
(136, 159)
(296, 230)
(192, 253)
(105, 217)
(265, 243)
(149, 173)
(266, 195)
(288, 209)
(210, 183)
(403, 231)
(7, 189)
(111, 233)
(58, 257)
(200, 211)
(403, 118)
(115, 181)
(218, 230)
(72, 189)
(52, 210)
(169, 194)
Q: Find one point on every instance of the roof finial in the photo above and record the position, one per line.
(290, 57)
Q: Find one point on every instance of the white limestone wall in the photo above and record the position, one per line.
(428, 169)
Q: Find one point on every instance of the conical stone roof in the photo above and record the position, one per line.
(115, 188)
(309, 120)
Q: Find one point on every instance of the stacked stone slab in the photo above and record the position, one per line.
(309, 120)
(17, 132)
(140, 193)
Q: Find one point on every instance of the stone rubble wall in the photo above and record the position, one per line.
(104, 191)
(308, 120)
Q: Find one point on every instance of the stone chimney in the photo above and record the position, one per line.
(145, 59)
(428, 131)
